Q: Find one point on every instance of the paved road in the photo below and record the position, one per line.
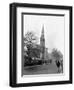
(40, 69)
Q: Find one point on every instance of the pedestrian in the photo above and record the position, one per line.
(58, 65)
(61, 65)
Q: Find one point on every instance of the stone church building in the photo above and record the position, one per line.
(43, 54)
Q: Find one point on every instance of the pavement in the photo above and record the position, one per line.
(40, 69)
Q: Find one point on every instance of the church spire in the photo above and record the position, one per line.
(42, 34)
(42, 43)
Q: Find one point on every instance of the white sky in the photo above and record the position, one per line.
(53, 28)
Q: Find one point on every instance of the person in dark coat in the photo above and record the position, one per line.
(61, 64)
(58, 65)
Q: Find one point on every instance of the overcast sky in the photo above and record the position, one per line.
(53, 28)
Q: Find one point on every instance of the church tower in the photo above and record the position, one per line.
(42, 44)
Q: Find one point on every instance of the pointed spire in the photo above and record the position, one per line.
(42, 34)
(43, 29)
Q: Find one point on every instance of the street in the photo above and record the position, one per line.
(40, 69)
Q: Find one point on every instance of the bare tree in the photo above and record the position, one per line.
(57, 55)
(30, 40)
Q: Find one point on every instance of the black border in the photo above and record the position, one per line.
(43, 14)
(13, 44)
